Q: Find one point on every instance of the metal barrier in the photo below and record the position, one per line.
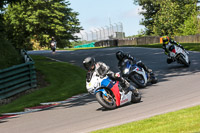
(85, 45)
(18, 78)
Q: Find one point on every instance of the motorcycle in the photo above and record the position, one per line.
(53, 46)
(109, 93)
(180, 55)
(137, 74)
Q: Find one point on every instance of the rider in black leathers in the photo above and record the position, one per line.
(121, 56)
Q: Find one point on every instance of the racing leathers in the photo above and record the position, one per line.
(101, 70)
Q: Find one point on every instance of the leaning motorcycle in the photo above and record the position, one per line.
(109, 93)
(180, 55)
(137, 74)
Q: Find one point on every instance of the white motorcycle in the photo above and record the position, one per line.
(180, 55)
(110, 94)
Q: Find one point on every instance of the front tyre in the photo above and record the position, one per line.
(184, 61)
(53, 49)
(107, 102)
(138, 80)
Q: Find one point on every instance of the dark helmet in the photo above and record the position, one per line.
(88, 63)
(120, 55)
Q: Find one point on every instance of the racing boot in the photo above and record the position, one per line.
(149, 71)
(169, 60)
(134, 90)
(154, 79)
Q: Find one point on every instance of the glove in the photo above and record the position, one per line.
(180, 46)
(166, 53)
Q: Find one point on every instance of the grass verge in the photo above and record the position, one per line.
(65, 80)
(182, 121)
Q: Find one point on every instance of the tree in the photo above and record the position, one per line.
(9, 56)
(150, 8)
(167, 19)
(40, 20)
(172, 15)
(190, 26)
(2, 4)
(166, 16)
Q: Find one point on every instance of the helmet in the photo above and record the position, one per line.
(88, 63)
(120, 55)
(165, 40)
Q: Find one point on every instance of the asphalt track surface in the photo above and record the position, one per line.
(178, 88)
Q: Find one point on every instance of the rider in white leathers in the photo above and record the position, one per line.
(168, 45)
(101, 70)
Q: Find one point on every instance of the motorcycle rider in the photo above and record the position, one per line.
(53, 44)
(121, 56)
(168, 45)
(102, 70)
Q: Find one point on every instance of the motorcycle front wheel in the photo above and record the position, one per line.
(138, 80)
(108, 101)
(184, 61)
(53, 49)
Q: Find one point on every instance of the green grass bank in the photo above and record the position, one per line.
(64, 80)
(182, 121)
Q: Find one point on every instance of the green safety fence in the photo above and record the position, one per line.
(18, 78)
(85, 45)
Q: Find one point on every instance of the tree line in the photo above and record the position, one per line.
(170, 17)
(25, 22)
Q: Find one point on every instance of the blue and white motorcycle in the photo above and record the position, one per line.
(109, 93)
(137, 74)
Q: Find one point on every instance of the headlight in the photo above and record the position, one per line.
(126, 71)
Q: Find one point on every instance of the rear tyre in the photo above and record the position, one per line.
(136, 98)
(154, 80)
(108, 101)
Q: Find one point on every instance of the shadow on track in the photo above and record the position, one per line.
(88, 99)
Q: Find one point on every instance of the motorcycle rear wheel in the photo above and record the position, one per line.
(136, 98)
(154, 80)
(107, 102)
